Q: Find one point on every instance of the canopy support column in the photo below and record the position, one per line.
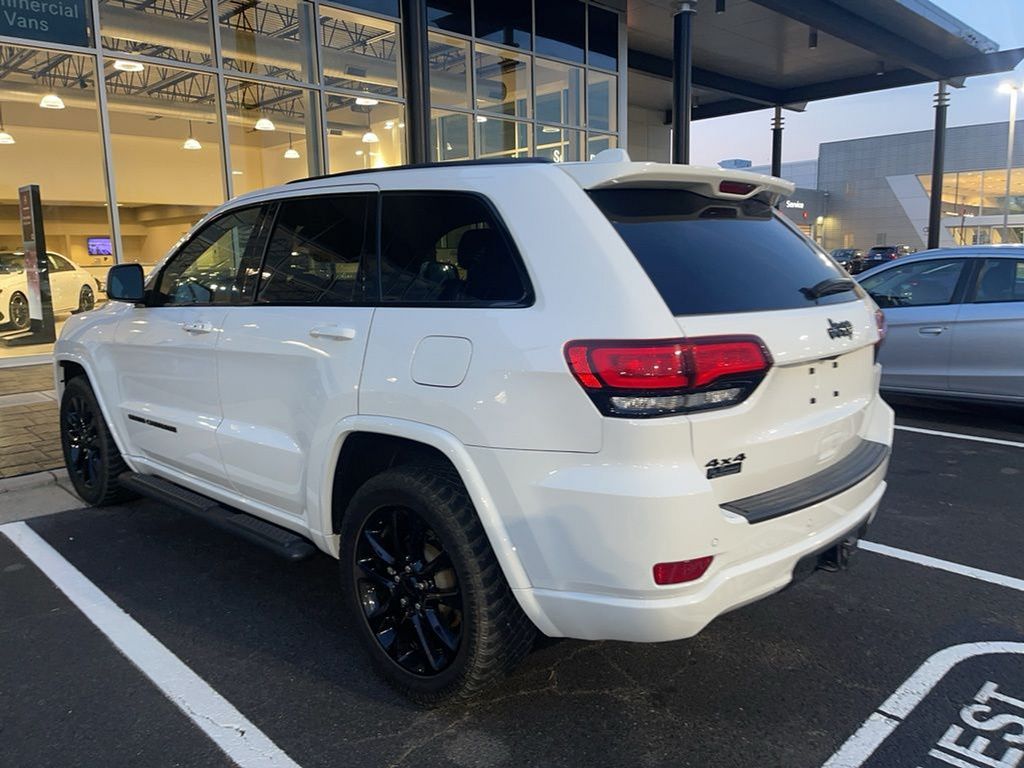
(938, 166)
(682, 79)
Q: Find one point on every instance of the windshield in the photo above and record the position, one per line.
(11, 263)
(711, 256)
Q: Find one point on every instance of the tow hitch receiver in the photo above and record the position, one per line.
(837, 557)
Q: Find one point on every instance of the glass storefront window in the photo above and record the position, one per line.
(179, 31)
(508, 22)
(363, 135)
(164, 124)
(449, 71)
(598, 143)
(502, 81)
(560, 145)
(602, 101)
(502, 138)
(450, 15)
(603, 40)
(359, 53)
(58, 147)
(559, 92)
(450, 134)
(268, 38)
(273, 133)
(561, 28)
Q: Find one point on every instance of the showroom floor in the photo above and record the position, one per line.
(29, 436)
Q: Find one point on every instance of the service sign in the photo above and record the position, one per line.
(54, 21)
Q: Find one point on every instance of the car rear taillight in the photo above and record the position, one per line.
(681, 570)
(664, 377)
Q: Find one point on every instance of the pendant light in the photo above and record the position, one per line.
(191, 142)
(291, 153)
(5, 137)
(122, 65)
(265, 124)
(369, 137)
(51, 101)
(366, 101)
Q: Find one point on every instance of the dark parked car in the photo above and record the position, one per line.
(850, 259)
(880, 254)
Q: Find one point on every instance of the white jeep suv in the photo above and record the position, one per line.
(607, 400)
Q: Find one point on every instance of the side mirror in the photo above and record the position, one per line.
(126, 282)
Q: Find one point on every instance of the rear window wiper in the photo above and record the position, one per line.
(828, 286)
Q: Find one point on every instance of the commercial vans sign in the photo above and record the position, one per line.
(53, 21)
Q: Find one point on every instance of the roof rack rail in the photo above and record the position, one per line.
(442, 164)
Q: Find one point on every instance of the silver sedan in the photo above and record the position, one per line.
(956, 322)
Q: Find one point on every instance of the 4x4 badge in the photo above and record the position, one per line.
(838, 330)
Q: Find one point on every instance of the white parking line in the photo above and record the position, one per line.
(943, 565)
(229, 729)
(894, 710)
(961, 436)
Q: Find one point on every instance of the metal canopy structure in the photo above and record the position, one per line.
(724, 57)
(763, 53)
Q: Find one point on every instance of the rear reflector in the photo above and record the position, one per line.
(681, 570)
(883, 327)
(736, 187)
(657, 378)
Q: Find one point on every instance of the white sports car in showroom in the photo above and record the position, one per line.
(72, 288)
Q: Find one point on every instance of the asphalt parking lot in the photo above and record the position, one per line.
(916, 652)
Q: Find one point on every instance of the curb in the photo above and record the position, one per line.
(33, 480)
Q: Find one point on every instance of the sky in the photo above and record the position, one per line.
(872, 114)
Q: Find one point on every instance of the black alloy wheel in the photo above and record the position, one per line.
(86, 299)
(81, 440)
(90, 453)
(409, 591)
(18, 311)
(424, 590)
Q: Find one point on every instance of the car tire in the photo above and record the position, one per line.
(92, 459)
(424, 589)
(17, 311)
(86, 299)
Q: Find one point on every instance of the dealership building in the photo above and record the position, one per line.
(876, 190)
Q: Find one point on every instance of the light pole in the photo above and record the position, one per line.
(1013, 90)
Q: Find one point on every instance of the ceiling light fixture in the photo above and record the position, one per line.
(5, 137)
(359, 153)
(51, 101)
(549, 129)
(481, 119)
(370, 137)
(291, 153)
(121, 65)
(389, 124)
(191, 142)
(264, 124)
(366, 101)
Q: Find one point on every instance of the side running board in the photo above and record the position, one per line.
(278, 540)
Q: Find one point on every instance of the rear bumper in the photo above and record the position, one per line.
(588, 528)
(687, 611)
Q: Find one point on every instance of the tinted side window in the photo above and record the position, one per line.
(57, 264)
(916, 284)
(316, 253)
(207, 270)
(711, 256)
(1000, 280)
(447, 248)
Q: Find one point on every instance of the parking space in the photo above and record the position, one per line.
(784, 682)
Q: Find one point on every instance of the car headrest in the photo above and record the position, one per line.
(473, 244)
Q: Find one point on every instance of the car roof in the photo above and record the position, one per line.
(612, 167)
(1010, 251)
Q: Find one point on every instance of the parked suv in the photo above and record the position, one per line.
(606, 400)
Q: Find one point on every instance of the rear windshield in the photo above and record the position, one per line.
(710, 256)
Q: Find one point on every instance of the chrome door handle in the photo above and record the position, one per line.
(332, 332)
(197, 327)
(931, 330)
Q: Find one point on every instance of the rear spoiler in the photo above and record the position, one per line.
(613, 168)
